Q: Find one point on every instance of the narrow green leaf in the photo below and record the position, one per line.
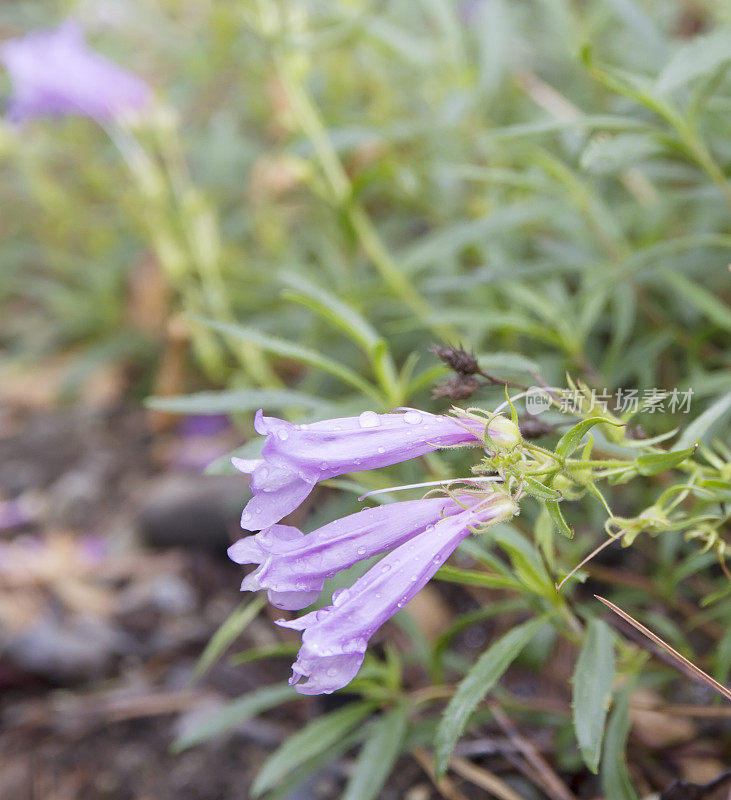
(712, 416)
(592, 690)
(234, 713)
(654, 463)
(266, 651)
(701, 56)
(289, 787)
(554, 511)
(604, 155)
(692, 292)
(473, 578)
(615, 779)
(333, 309)
(378, 756)
(539, 491)
(286, 349)
(476, 684)
(571, 439)
(230, 629)
(237, 401)
(315, 738)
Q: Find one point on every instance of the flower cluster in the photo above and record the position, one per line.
(54, 73)
(417, 535)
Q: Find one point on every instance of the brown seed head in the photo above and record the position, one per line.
(462, 362)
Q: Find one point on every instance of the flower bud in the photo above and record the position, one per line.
(504, 432)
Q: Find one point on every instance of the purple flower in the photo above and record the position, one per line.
(293, 567)
(55, 73)
(296, 457)
(335, 638)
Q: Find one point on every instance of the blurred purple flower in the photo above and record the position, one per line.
(204, 425)
(55, 73)
(335, 638)
(293, 567)
(296, 457)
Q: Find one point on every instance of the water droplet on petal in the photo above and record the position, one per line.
(283, 434)
(385, 568)
(412, 417)
(361, 551)
(381, 449)
(321, 614)
(369, 419)
(414, 578)
(245, 516)
(323, 466)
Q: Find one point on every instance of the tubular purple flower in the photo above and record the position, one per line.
(293, 567)
(55, 73)
(296, 457)
(335, 638)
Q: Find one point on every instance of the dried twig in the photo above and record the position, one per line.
(444, 786)
(539, 771)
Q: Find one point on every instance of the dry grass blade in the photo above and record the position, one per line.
(484, 779)
(653, 637)
(586, 560)
(444, 786)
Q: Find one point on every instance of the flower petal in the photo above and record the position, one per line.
(335, 638)
(296, 457)
(291, 562)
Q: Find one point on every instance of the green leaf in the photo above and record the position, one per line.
(615, 779)
(538, 490)
(654, 463)
(701, 56)
(592, 690)
(712, 416)
(286, 349)
(378, 756)
(315, 738)
(475, 685)
(236, 401)
(572, 438)
(232, 627)
(266, 651)
(554, 511)
(333, 309)
(287, 789)
(234, 713)
(604, 155)
(468, 577)
(708, 304)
